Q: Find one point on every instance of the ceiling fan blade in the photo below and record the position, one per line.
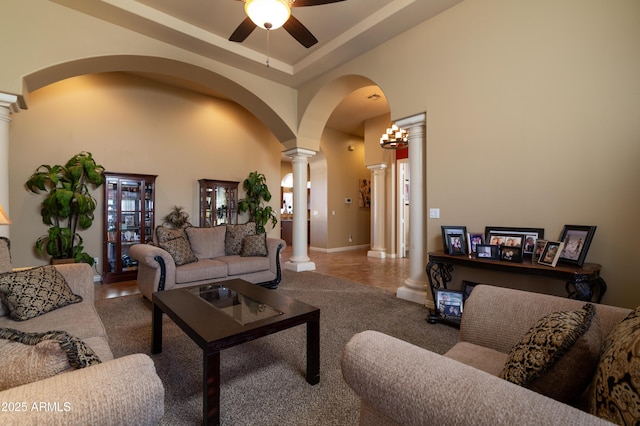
(242, 32)
(299, 32)
(302, 3)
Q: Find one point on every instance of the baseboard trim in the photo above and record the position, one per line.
(339, 249)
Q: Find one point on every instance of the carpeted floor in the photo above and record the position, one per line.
(263, 381)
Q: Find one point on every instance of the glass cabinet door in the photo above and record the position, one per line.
(218, 202)
(129, 220)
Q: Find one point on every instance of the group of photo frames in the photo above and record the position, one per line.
(514, 244)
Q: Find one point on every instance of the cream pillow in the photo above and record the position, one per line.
(207, 243)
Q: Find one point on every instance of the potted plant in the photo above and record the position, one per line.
(68, 206)
(256, 192)
(177, 218)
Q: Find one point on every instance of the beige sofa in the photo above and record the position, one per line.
(157, 268)
(399, 383)
(125, 390)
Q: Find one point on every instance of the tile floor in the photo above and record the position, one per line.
(354, 265)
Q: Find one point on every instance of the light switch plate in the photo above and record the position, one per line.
(434, 213)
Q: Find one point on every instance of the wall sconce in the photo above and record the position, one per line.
(394, 138)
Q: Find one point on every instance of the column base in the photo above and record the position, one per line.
(299, 266)
(412, 295)
(377, 254)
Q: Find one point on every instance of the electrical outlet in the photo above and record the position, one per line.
(350, 238)
(96, 260)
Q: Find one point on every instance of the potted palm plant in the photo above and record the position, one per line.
(68, 206)
(256, 192)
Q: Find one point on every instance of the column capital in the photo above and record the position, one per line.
(10, 102)
(413, 121)
(299, 152)
(377, 167)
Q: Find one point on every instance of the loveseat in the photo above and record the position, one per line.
(399, 383)
(108, 391)
(192, 256)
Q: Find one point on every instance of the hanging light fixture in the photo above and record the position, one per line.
(394, 138)
(268, 14)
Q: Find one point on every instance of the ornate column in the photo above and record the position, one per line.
(377, 211)
(300, 161)
(8, 104)
(416, 285)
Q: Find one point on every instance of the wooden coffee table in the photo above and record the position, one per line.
(224, 314)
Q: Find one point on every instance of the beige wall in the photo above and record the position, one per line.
(344, 170)
(133, 125)
(532, 111)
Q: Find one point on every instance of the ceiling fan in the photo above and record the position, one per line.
(273, 14)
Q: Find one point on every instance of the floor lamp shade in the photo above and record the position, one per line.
(4, 218)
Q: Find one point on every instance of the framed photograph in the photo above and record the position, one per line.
(551, 253)
(499, 235)
(488, 252)
(455, 243)
(538, 249)
(454, 230)
(511, 254)
(449, 303)
(467, 288)
(577, 240)
(473, 240)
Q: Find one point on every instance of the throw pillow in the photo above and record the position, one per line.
(164, 234)
(28, 357)
(207, 243)
(180, 250)
(615, 391)
(234, 236)
(254, 245)
(35, 291)
(558, 355)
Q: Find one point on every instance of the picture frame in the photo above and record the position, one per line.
(551, 253)
(576, 239)
(528, 236)
(511, 254)
(449, 303)
(449, 230)
(537, 251)
(487, 252)
(455, 243)
(467, 288)
(473, 239)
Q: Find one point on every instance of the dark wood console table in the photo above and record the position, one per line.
(582, 283)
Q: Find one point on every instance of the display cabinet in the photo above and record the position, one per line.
(129, 219)
(218, 202)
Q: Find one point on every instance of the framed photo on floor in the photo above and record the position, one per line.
(577, 240)
(449, 303)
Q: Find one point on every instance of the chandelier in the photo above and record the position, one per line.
(268, 14)
(394, 138)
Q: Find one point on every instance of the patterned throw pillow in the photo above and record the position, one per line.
(558, 355)
(254, 245)
(180, 250)
(164, 234)
(29, 357)
(234, 236)
(35, 291)
(615, 391)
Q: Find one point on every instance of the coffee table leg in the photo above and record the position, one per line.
(313, 351)
(211, 388)
(156, 330)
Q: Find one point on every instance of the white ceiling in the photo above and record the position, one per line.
(344, 30)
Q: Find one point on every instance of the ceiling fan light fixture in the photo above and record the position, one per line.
(268, 14)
